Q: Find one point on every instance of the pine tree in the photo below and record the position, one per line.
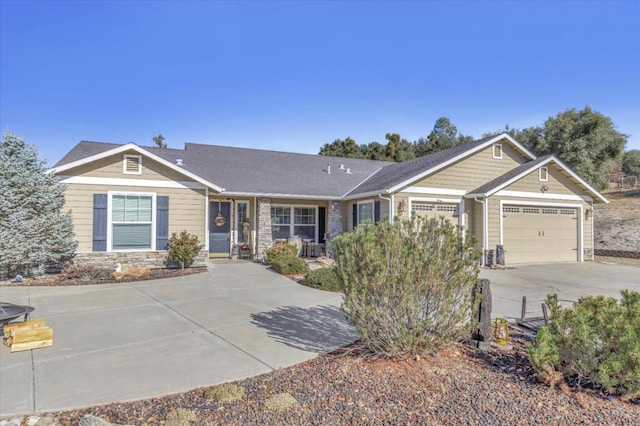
(34, 231)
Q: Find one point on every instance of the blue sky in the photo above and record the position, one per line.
(295, 75)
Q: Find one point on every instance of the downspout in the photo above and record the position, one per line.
(484, 229)
(593, 244)
(390, 201)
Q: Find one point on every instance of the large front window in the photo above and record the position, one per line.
(291, 221)
(131, 221)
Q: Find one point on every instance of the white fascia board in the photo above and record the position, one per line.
(434, 191)
(142, 151)
(463, 155)
(518, 145)
(581, 181)
(542, 196)
(542, 164)
(518, 177)
(147, 183)
(365, 195)
(345, 195)
(278, 195)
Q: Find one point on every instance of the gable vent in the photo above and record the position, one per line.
(132, 165)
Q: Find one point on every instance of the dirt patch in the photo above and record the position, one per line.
(617, 224)
(68, 279)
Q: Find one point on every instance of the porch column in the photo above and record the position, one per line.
(264, 227)
(335, 225)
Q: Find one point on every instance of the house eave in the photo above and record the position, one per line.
(133, 147)
(279, 195)
(463, 155)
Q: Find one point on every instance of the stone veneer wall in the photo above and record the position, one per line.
(335, 225)
(629, 254)
(263, 232)
(141, 259)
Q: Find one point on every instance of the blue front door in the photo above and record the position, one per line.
(219, 228)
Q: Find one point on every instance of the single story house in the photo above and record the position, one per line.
(126, 200)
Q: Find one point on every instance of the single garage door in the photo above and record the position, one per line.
(425, 209)
(540, 234)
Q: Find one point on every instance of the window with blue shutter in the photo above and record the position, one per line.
(376, 211)
(99, 222)
(162, 222)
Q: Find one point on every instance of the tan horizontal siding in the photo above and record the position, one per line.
(557, 183)
(186, 209)
(472, 172)
(111, 167)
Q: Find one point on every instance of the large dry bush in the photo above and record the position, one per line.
(407, 285)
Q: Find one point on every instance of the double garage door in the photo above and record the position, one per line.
(540, 234)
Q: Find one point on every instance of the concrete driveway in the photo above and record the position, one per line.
(133, 341)
(569, 280)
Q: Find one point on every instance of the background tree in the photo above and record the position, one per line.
(33, 229)
(631, 162)
(159, 140)
(398, 149)
(585, 140)
(342, 148)
(443, 136)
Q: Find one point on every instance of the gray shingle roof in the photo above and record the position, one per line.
(85, 149)
(255, 171)
(399, 172)
(500, 180)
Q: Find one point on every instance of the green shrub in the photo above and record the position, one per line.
(407, 285)
(277, 252)
(184, 248)
(323, 279)
(594, 343)
(289, 265)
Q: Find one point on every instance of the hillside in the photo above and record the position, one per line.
(617, 224)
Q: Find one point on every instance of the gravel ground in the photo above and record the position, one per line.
(617, 224)
(62, 279)
(459, 385)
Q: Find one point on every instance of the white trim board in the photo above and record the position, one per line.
(463, 155)
(143, 183)
(133, 147)
(580, 208)
(432, 191)
(542, 196)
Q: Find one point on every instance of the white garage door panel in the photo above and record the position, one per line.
(540, 234)
(426, 209)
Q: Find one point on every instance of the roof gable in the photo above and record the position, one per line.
(398, 175)
(88, 152)
(502, 182)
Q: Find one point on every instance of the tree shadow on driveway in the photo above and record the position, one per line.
(318, 329)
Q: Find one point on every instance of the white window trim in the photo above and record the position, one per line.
(237, 218)
(493, 151)
(580, 208)
(546, 174)
(373, 209)
(124, 164)
(110, 195)
(293, 224)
